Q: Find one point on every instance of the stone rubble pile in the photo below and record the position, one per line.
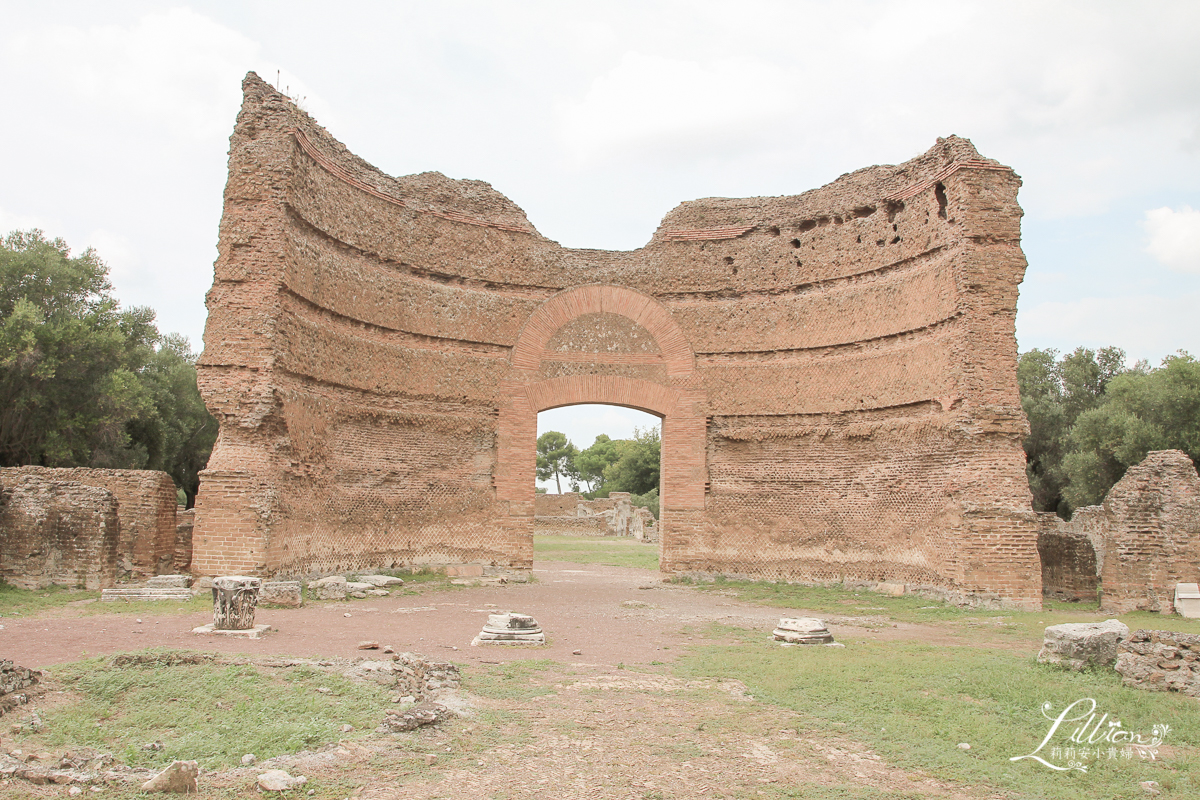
(804, 630)
(510, 629)
(338, 587)
(13, 681)
(1079, 645)
(410, 675)
(1161, 661)
(403, 720)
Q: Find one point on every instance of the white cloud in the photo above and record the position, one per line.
(1174, 238)
(117, 251)
(652, 102)
(177, 69)
(1144, 326)
(22, 222)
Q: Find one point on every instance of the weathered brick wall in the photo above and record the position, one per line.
(1070, 570)
(146, 506)
(1146, 533)
(835, 371)
(570, 526)
(556, 505)
(184, 524)
(55, 531)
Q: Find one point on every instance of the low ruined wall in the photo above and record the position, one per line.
(570, 526)
(1146, 536)
(56, 532)
(1069, 567)
(556, 505)
(146, 506)
(1162, 661)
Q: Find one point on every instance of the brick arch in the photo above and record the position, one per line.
(595, 299)
(613, 390)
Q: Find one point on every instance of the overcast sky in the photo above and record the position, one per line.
(597, 118)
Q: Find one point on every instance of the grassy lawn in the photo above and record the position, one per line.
(913, 703)
(613, 551)
(834, 600)
(209, 708)
(17, 602)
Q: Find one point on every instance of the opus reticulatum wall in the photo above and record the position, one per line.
(835, 371)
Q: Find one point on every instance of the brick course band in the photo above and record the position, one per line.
(378, 349)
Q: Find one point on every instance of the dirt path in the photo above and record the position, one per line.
(611, 615)
(611, 721)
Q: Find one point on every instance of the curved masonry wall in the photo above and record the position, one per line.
(836, 370)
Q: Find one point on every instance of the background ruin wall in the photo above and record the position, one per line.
(836, 371)
(55, 531)
(146, 505)
(1144, 538)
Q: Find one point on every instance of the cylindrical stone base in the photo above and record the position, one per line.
(234, 600)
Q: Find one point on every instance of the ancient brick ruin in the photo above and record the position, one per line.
(146, 507)
(570, 514)
(56, 532)
(835, 371)
(1142, 540)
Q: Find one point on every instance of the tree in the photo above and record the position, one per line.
(1055, 394)
(555, 458)
(68, 357)
(176, 435)
(85, 383)
(636, 469)
(1144, 410)
(591, 463)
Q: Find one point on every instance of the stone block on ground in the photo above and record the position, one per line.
(170, 581)
(380, 580)
(281, 594)
(804, 630)
(132, 593)
(1187, 600)
(1079, 645)
(1160, 661)
(277, 780)
(330, 588)
(510, 629)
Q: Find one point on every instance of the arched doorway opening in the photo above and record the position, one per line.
(598, 486)
(558, 361)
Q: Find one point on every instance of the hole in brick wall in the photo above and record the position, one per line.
(735, 270)
(823, 221)
(728, 259)
(795, 242)
(859, 239)
(773, 230)
(837, 220)
(896, 240)
(879, 242)
(939, 192)
(807, 225)
(864, 211)
(894, 207)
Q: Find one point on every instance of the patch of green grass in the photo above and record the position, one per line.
(914, 703)
(204, 708)
(18, 602)
(15, 601)
(613, 551)
(836, 600)
(513, 680)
